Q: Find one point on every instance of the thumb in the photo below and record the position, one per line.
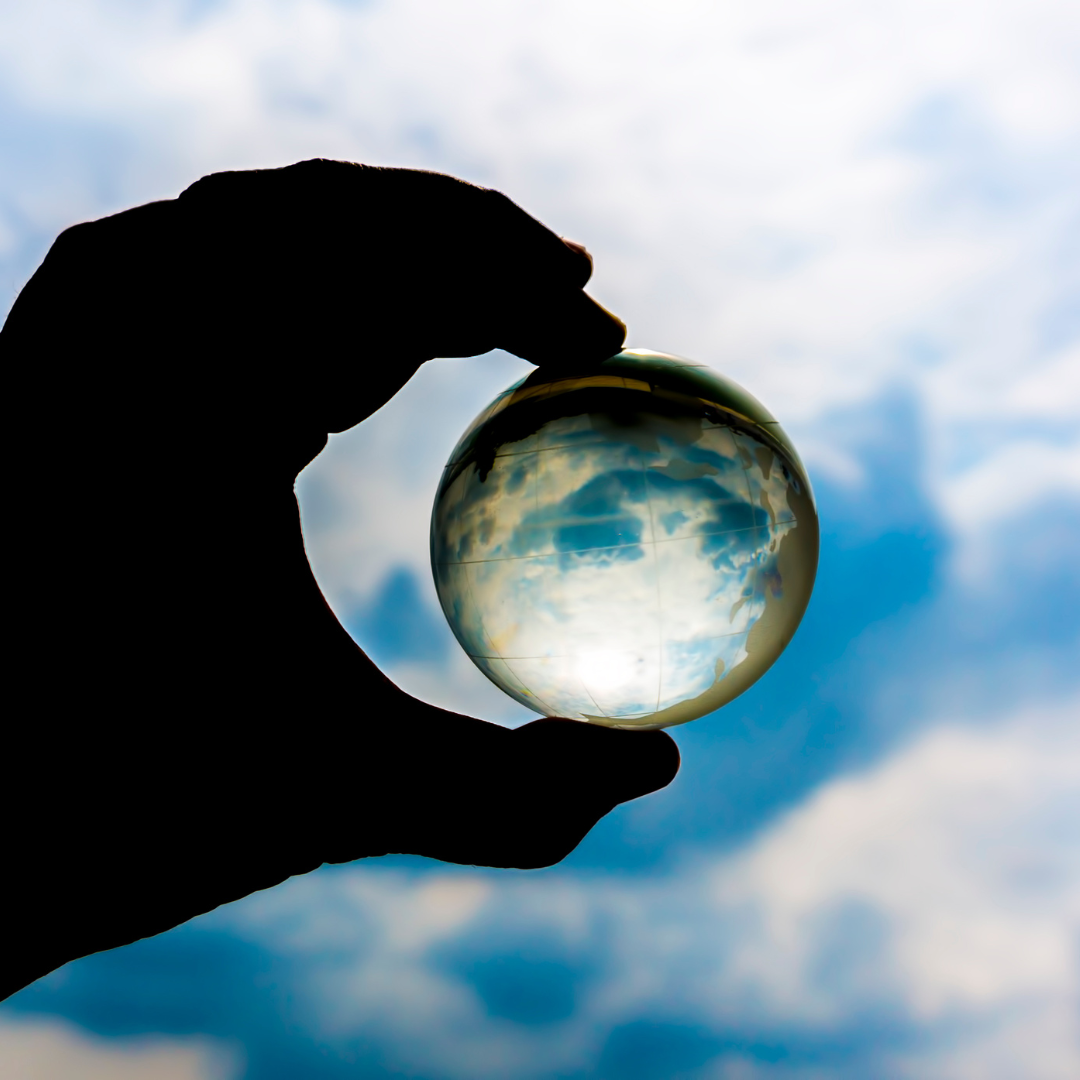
(608, 765)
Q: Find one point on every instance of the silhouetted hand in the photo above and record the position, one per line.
(187, 720)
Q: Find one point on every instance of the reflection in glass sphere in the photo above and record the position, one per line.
(631, 545)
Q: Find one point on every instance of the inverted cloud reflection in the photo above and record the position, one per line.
(624, 547)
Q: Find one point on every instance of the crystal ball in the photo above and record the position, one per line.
(631, 544)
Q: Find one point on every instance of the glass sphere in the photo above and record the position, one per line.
(632, 544)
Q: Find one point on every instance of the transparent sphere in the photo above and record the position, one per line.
(632, 545)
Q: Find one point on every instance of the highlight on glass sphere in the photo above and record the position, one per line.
(632, 544)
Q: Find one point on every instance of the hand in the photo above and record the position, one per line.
(194, 723)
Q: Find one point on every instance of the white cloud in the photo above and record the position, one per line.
(1015, 477)
(756, 181)
(825, 200)
(794, 194)
(958, 842)
(366, 503)
(375, 483)
(38, 1049)
(941, 888)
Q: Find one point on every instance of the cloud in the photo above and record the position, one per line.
(37, 1049)
(952, 843)
(789, 193)
(865, 213)
(825, 202)
(931, 903)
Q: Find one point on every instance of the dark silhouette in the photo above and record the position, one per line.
(187, 721)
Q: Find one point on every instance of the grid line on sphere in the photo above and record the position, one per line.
(656, 570)
(545, 706)
(557, 581)
(526, 684)
(537, 466)
(578, 443)
(596, 705)
(528, 693)
(745, 470)
(737, 436)
(563, 656)
(480, 621)
(616, 547)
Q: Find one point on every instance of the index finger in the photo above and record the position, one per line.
(533, 302)
(444, 267)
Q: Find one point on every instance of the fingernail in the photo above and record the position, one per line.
(582, 252)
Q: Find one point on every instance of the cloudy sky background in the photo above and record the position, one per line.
(867, 213)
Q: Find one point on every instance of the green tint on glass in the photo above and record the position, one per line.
(633, 544)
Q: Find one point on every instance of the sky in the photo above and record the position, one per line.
(867, 214)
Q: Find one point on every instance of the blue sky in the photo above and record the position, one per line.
(865, 213)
